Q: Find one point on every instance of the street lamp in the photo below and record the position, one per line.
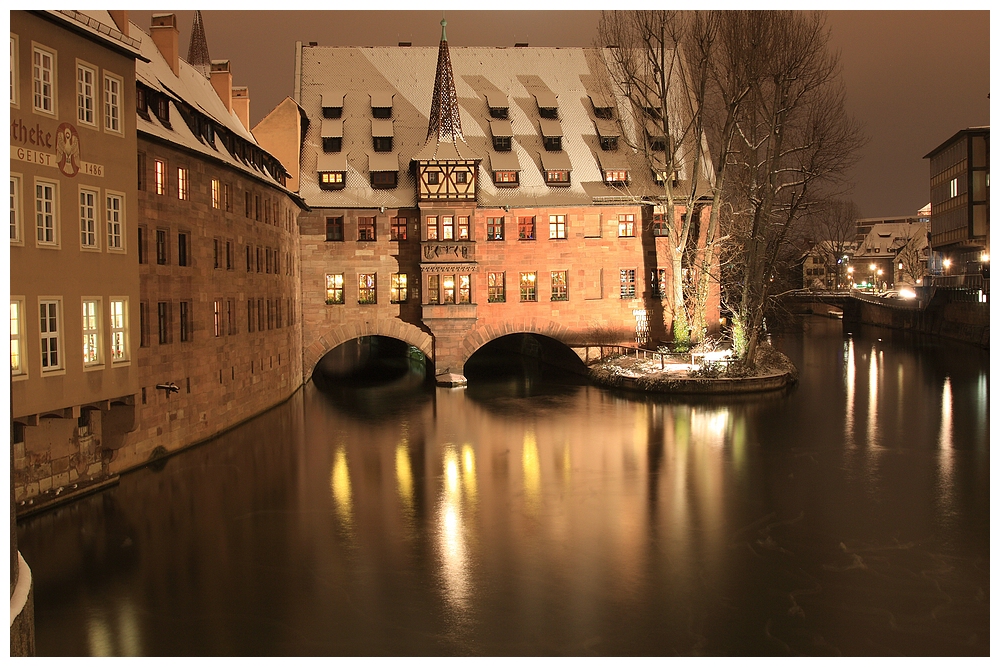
(850, 276)
(880, 276)
(946, 263)
(871, 267)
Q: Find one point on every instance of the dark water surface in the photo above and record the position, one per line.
(535, 515)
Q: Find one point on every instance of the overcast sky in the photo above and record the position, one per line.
(913, 78)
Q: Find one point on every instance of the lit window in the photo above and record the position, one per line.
(114, 209)
(628, 283)
(112, 103)
(366, 288)
(495, 287)
(432, 228)
(557, 226)
(331, 178)
(216, 193)
(560, 280)
(88, 218)
(463, 228)
(465, 289)
(15, 209)
(626, 224)
(85, 94)
(42, 76)
(526, 229)
(397, 229)
(953, 188)
(119, 330)
(17, 366)
(397, 288)
(91, 333)
(448, 289)
(528, 288)
(447, 228)
(494, 229)
(557, 176)
(50, 331)
(182, 183)
(160, 176)
(45, 213)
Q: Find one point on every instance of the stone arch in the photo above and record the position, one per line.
(484, 333)
(337, 335)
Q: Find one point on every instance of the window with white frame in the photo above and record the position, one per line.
(43, 80)
(50, 331)
(15, 209)
(14, 72)
(17, 365)
(85, 77)
(91, 332)
(88, 218)
(119, 329)
(113, 213)
(112, 103)
(557, 226)
(45, 212)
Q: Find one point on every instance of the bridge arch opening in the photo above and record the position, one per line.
(369, 361)
(514, 353)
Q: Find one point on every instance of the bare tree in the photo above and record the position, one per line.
(834, 228)
(911, 254)
(795, 141)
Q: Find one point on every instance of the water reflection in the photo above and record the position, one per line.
(551, 517)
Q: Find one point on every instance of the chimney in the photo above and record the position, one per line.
(222, 81)
(241, 105)
(165, 34)
(120, 17)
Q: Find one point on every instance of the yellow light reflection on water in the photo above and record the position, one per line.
(849, 407)
(469, 472)
(340, 484)
(532, 469)
(404, 475)
(946, 451)
(454, 564)
(872, 400)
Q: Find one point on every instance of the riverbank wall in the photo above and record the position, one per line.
(947, 314)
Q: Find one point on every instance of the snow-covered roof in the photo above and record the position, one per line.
(190, 87)
(99, 25)
(521, 79)
(885, 239)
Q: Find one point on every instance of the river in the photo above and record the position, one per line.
(531, 514)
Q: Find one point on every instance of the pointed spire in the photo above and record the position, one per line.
(198, 49)
(445, 125)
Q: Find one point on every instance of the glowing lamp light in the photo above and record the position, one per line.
(985, 257)
(947, 263)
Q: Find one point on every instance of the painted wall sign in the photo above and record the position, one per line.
(65, 141)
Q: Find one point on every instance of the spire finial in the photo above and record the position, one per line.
(444, 35)
(198, 48)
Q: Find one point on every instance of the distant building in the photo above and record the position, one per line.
(960, 206)
(898, 252)
(461, 194)
(825, 269)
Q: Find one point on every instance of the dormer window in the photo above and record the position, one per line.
(332, 170)
(381, 105)
(497, 102)
(382, 135)
(460, 176)
(548, 107)
(609, 143)
(333, 104)
(556, 168)
(383, 170)
(163, 109)
(616, 176)
(505, 169)
(607, 134)
(432, 177)
(557, 177)
(551, 134)
(502, 134)
(602, 106)
(332, 133)
(140, 102)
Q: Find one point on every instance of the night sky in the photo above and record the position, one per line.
(913, 78)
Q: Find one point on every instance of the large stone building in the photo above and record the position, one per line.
(458, 195)
(154, 292)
